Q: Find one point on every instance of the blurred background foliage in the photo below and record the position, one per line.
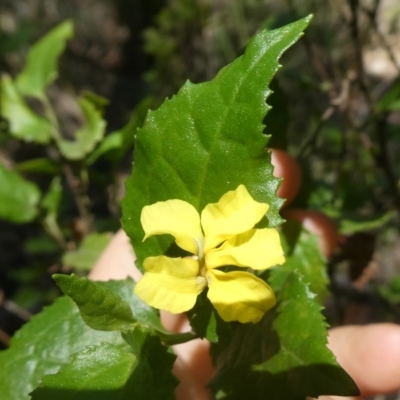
(336, 109)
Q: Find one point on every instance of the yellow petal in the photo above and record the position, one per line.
(257, 248)
(170, 284)
(236, 212)
(177, 218)
(239, 296)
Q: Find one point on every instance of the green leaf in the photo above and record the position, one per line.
(304, 256)
(99, 372)
(350, 222)
(51, 203)
(24, 123)
(41, 67)
(206, 322)
(155, 362)
(85, 257)
(286, 355)
(39, 165)
(106, 372)
(208, 139)
(47, 341)
(390, 291)
(86, 137)
(18, 198)
(118, 142)
(100, 307)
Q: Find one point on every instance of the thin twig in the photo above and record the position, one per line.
(82, 201)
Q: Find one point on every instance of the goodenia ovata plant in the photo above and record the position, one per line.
(102, 341)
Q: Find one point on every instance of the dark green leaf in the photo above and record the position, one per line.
(85, 257)
(206, 322)
(208, 139)
(46, 343)
(305, 257)
(41, 165)
(41, 66)
(286, 355)
(86, 137)
(18, 198)
(24, 123)
(155, 362)
(100, 307)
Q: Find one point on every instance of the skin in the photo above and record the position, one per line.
(370, 354)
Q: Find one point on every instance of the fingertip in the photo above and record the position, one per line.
(370, 354)
(286, 167)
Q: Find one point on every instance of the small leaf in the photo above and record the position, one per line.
(352, 222)
(85, 257)
(18, 198)
(208, 139)
(51, 203)
(98, 101)
(118, 143)
(24, 123)
(39, 165)
(41, 66)
(286, 355)
(86, 137)
(47, 341)
(100, 308)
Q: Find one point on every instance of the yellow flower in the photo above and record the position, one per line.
(173, 284)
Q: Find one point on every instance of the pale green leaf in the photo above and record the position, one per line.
(41, 67)
(350, 222)
(18, 198)
(207, 140)
(51, 202)
(286, 355)
(100, 308)
(23, 122)
(85, 257)
(87, 136)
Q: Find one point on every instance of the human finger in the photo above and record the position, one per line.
(319, 224)
(286, 167)
(371, 356)
(117, 261)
